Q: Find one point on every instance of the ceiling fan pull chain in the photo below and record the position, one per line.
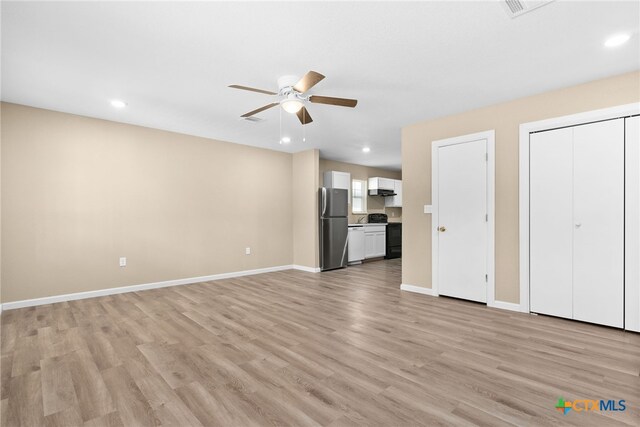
(280, 140)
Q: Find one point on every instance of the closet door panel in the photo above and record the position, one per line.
(551, 222)
(632, 225)
(598, 229)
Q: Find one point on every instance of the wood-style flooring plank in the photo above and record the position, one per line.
(4, 406)
(26, 358)
(24, 406)
(131, 404)
(94, 399)
(58, 392)
(111, 419)
(66, 418)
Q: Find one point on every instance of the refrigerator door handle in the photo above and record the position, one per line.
(324, 201)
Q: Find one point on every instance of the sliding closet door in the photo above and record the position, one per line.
(598, 229)
(632, 225)
(551, 222)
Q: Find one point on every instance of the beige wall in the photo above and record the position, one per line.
(505, 119)
(305, 208)
(78, 193)
(374, 204)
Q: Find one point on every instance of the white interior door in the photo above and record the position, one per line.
(632, 224)
(462, 224)
(598, 232)
(551, 222)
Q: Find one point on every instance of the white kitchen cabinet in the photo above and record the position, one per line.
(356, 251)
(395, 201)
(375, 241)
(369, 245)
(577, 222)
(377, 183)
(335, 179)
(380, 244)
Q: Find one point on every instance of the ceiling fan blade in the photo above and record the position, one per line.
(343, 102)
(253, 89)
(308, 81)
(256, 111)
(303, 116)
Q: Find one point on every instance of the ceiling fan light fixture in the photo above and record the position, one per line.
(291, 105)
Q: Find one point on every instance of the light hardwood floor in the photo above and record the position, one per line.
(292, 348)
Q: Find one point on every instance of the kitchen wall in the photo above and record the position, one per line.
(304, 179)
(505, 118)
(78, 193)
(374, 204)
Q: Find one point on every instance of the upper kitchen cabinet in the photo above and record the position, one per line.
(377, 183)
(395, 201)
(335, 179)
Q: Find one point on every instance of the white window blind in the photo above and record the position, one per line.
(358, 196)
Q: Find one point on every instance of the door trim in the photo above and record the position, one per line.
(489, 136)
(542, 125)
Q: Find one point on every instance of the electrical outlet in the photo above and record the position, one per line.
(247, 251)
(123, 261)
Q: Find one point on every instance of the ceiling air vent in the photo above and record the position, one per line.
(515, 8)
(253, 119)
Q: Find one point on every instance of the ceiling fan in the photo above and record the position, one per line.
(291, 92)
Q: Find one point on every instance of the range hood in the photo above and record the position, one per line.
(382, 193)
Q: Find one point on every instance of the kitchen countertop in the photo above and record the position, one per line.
(368, 224)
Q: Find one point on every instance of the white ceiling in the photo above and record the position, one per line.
(404, 62)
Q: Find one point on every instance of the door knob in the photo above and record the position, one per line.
(578, 224)
(442, 229)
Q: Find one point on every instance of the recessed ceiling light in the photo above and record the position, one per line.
(118, 104)
(285, 140)
(366, 149)
(617, 40)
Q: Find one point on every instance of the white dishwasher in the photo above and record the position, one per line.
(356, 245)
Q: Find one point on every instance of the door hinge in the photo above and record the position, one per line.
(486, 217)
(486, 157)
(486, 278)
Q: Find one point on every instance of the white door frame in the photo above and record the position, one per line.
(489, 136)
(548, 124)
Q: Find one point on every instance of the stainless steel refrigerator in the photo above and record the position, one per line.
(333, 228)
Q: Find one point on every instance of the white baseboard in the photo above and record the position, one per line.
(506, 306)
(418, 289)
(136, 288)
(305, 268)
(496, 304)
